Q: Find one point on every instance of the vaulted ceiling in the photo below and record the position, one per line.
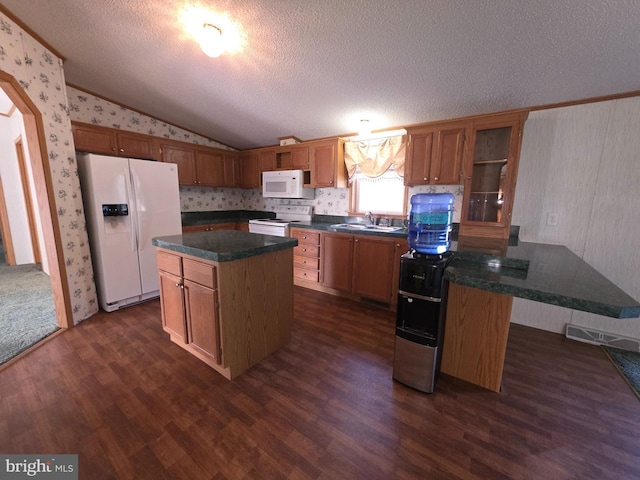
(314, 68)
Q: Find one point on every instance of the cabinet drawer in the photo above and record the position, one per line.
(200, 273)
(307, 251)
(303, 274)
(306, 262)
(169, 263)
(307, 238)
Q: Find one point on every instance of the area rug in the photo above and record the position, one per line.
(27, 313)
(628, 364)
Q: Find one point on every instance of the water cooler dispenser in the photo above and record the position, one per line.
(422, 294)
(422, 305)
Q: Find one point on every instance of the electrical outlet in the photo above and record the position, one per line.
(552, 219)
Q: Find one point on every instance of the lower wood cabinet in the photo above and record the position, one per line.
(337, 261)
(203, 328)
(373, 261)
(206, 308)
(306, 256)
(189, 304)
(361, 266)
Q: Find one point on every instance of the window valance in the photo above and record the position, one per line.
(374, 157)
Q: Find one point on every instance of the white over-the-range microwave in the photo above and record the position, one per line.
(285, 184)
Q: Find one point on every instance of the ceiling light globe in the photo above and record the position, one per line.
(211, 40)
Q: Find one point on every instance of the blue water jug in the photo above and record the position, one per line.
(430, 222)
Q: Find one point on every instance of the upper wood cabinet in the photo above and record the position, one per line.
(197, 165)
(231, 170)
(491, 168)
(292, 157)
(252, 163)
(135, 145)
(210, 168)
(249, 171)
(326, 161)
(434, 155)
(94, 139)
(184, 157)
(266, 160)
(110, 141)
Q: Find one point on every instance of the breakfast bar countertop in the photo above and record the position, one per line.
(555, 275)
(224, 245)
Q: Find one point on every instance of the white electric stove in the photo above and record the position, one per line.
(285, 215)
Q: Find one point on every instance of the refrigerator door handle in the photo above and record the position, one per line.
(133, 212)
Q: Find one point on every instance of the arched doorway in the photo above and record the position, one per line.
(37, 148)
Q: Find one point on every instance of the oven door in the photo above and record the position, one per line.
(275, 230)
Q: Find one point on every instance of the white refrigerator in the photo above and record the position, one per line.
(127, 202)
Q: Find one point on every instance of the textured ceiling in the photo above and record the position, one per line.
(313, 68)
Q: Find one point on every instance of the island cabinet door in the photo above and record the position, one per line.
(202, 319)
(172, 306)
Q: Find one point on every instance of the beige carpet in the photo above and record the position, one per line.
(27, 314)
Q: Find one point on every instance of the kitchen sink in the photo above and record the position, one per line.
(361, 227)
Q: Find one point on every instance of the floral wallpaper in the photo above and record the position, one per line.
(87, 108)
(41, 75)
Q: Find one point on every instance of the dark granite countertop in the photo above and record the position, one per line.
(555, 276)
(224, 245)
(222, 216)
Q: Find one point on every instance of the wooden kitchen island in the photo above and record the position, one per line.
(226, 296)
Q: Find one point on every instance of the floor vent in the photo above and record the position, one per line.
(587, 335)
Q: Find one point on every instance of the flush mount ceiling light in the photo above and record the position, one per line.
(216, 32)
(364, 128)
(211, 41)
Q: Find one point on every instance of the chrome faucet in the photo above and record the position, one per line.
(369, 217)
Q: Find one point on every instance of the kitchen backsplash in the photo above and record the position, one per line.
(328, 201)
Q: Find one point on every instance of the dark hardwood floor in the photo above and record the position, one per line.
(133, 405)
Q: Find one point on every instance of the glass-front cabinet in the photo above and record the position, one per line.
(491, 168)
